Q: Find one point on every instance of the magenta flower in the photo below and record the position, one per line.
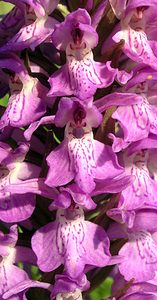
(75, 243)
(137, 22)
(10, 274)
(36, 29)
(81, 75)
(140, 252)
(82, 158)
(142, 190)
(65, 287)
(138, 120)
(14, 208)
(11, 23)
(26, 92)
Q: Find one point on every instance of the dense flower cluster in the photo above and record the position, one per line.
(78, 140)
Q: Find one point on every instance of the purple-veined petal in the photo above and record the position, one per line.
(106, 162)
(31, 35)
(35, 186)
(60, 158)
(81, 155)
(143, 190)
(82, 76)
(10, 277)
(69, 237)
(141, 118)
(148, 143)
(137, 46)
(116, 185)
(18, 110)
(23, 286)
(45, 120)
(122, 99)
(140, 260)
(79, 196)
(16, 208)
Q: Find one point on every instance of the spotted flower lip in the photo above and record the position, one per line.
(140, 249)
(135, 30)
(139, 116)
(82, 158)
(78, 136)
(139, 226)
(81, 75)
(142, 189)
(69, 238)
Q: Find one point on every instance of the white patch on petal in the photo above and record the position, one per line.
(81, 153)
(82, 72)
(76, 295)
(70, 232)
(10, 258)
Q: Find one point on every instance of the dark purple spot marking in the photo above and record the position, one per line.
(78, 132)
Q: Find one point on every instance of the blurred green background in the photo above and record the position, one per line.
(5, 7)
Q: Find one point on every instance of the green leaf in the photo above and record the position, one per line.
(103, 291)
(4, 100)
(5, 7)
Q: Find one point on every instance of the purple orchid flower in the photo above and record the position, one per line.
(135, 20)
(72, 192)
(137, 120)
(81, 75)
(10, 254)
(75, 243)
(145, 292)
(11, 24)
(142, 190)
(140, 252)
(139, 291)
(68, 288)
(26, 92)
(64, 287)
(131, 291)
(34, 32)
(141, 117)
(80, 156)
(140, 162)
(14, 208)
